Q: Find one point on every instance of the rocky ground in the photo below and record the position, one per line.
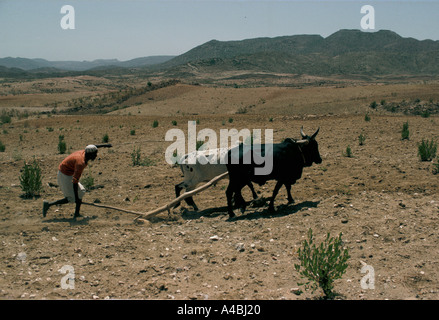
(383, 200)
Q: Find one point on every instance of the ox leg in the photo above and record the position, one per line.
(229, 195)
(190, 201)
(288, 187)
(178, 188)
(275, 192)
(250, 185)
(239, 201)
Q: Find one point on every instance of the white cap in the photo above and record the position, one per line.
(91, 148)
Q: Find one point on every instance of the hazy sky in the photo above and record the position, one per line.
(127, 29)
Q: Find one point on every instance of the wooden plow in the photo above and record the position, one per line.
(167, 207)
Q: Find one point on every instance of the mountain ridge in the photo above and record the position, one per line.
(28, 64)
(345, 52)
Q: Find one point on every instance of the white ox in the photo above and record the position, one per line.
(202, 166)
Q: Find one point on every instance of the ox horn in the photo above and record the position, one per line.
(315, 134)
(301, 132)
(302, 142)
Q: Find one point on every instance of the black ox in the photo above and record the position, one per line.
(288, 160)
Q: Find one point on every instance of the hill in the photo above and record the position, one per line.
(32, 64)
(346, 52)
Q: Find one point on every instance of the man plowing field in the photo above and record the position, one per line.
(69, 173)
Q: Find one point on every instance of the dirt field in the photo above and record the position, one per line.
(383, 200)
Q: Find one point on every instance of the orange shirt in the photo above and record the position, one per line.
(73, 165)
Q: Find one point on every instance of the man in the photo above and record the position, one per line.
(69, 173)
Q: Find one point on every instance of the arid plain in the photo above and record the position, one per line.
(384, 199)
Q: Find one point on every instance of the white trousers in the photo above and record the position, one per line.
(66, 185)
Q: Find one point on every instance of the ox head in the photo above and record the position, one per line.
(310, 148)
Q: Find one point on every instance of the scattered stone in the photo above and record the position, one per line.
(296, 291)
(240, 247)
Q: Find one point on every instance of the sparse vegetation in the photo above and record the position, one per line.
(88, 181)
(425, 114)
(31, 179)
(136, 158)
(405, 133)
(2, 147)
(348, 153)
(5, 117)
(242, 110)
(133, 132)
(105, 138)
(62, 146)
(373, 105)
(155, 124)
(367, 117)
(427, 150)
(322, 264)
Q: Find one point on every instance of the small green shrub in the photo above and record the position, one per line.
(373, 105)
(322, 264)
(137, 160)
(155, 124)
(427, 150)
(31, 179)
(135, 156)
(88, 181)
(5, 117)
(405, 133)
(174, 122)
(133, 132)
(2, 147)
(367, 117)
(105, 138)
(62, 146)
(425, 114)
(348, 152)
